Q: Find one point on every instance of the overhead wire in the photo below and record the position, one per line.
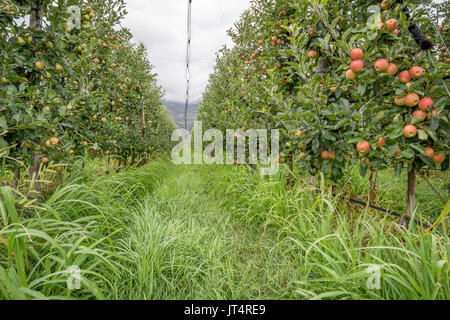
(188, 58)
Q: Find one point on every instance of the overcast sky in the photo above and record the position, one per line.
(161, 26)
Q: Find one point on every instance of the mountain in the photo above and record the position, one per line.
(176, 110)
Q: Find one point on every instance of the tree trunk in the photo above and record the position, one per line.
(37, 12)
(34, 173)
(133, 159)
(16, 179)
(411, 204)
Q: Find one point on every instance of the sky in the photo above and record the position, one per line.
(161, 26)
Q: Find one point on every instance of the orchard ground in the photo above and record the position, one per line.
(223, 232)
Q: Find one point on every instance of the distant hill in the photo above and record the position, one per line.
(176, 109)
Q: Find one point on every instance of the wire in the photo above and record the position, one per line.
(188, 58)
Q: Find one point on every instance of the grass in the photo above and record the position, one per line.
(218, 232)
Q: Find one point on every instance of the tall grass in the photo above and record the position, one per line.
(215, 232)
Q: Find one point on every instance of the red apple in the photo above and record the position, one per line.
(425, 103)
(356, 54)
(429, 152)
(439, 158)
(398, 152)
(410, 131)
(312, 54)
(363, 147)
(381, 65)
(391, 24)
(399, 101)
(419, 114)
(392, 69)
(404, 76)
(381, 142)
(350, 75)
(326, 155)
(357, 66)
(416, 72)
(412, 100)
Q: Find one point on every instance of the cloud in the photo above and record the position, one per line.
(161, 26)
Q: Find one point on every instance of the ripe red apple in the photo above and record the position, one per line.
(44, 160)
(261, 41)
(283, 12)
(381, 142)
(356, 54)
(412, 100)
(391, 24)
(54, 140)
(439, 158)
(429, 152)
(392, 69)
(425, 103)
(419, 114)
(274, 38)
(416, 72)
(381, 65)
(398, 152)
(312, 54)
(436, 113)
(399, 101)
(357, 66)
(350, 75)
(363, 147)
(404, 76)
(396, 32)
(326, 155)
(381, 25)
(410, 131)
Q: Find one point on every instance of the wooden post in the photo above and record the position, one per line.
(411, 203)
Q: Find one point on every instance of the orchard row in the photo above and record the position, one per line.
(343, 84)
(67, 91)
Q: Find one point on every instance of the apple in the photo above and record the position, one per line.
(39, 65)
(3, 80)
(54, 140)
(103, 120)
(381, 142)
(58, 67)
(381, 65)
(44, 160)
(398, 152)
(396, 32)
(21, 41)
(399, 101)
(357, 66)
(381, 25)
(261, 42)
(279, 41)
(363, 147)
(410, 131)
(312, 32)
(404, 76)
(392, 69)
(356, 54)
(385, 4)
(326, 155)
(350, 75)
(425, 103)
(274, 38)
(429, 152)
(416, 72)
(283, 12)
(412, 100)
(436, 113)
(312, 54)
(419, 114)
(391, 24)
(439, 158)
